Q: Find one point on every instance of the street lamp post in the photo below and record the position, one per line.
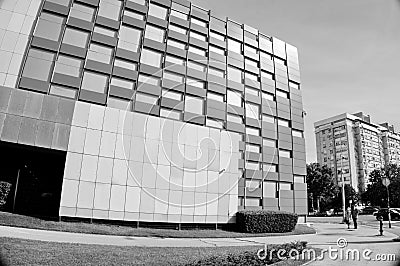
(343, 191)
(386, 183)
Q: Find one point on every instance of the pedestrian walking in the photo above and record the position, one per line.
(354, 215)
(347, 217)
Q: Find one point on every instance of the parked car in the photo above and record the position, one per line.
(369, 209)
(394, 214)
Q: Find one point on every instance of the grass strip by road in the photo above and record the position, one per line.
(31, 252)
(16, 220)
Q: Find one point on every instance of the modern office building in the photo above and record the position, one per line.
(353, 146)
(150, 111)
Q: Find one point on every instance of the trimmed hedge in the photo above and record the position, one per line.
(264, 221)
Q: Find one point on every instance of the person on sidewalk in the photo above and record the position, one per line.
(354, 215)
(347, 217)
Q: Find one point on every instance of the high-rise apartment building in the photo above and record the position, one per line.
(150, 111)
(353, 147)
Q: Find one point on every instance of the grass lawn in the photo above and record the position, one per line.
(30, 252)
(16, 220)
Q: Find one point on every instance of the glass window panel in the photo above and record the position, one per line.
(38, 65)
(294, 85)
(252, 110)
(94, 82)
(234, 74)
(269, 143)
(119, 103)
(196, 66)
(218, 22)
(180, 8)
(125, 64)
(129, 38)
(176, 115)
(61, 2)
(217, 50)
(151, 58)
(49, 26)
(154, 33)
(214, 123)
(252, 165)
(172, 94)
(157, 11)
(197, 50)
(216, 72)
(110, 9)
(193, 104)
(122, 83)
(269, 190)
(253, 184)
(177, 29)
(297, 133)
(253, 202)
(251, 62)
(179, 14)
(285, 153)
(173, 76)
(252, 148)
(285, 186)
(279, 61)
(176, 44)
(250, 49)
(215, 96)
(299, 179)
(146, 98)
(68, 66)
(235, 118)
(198, 22)
(141, 2)
(267, 75)
(265, 56)
(282, 94)
(234, 46)
(149, 80)
(100, 53)
(82, 12)
(76, 37)
(195, 83)
(63, 91)
(175, 60)
(217, 36)
(251, 76)
(234, 98)
(198, 36)
(252, 91)
(268, 96)
(270, 167)
(134, 15)
(268, 119)
(282, 122)
(105, 31)
(252, 131)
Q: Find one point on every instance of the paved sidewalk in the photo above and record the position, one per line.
(327, 235)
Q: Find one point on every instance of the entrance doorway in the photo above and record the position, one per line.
(30, 179)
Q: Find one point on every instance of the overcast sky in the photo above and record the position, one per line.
(349, 52)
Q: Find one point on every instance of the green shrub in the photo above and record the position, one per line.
(251, 257)
(5, 188)
(263, 221)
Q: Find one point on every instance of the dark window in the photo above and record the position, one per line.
(38, 65)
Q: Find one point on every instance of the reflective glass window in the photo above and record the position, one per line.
(294, 85)
(118, 103)
(122, 83)
(176, 44)
(100, 53)
(198, 22)
(196, 66)
(151, 58)
(194, 104)
(217, 36)
(125, 64)
(285, 153)
(234, 98)
(283, 122)
(198, 36)
(179, 14)
(252, 165)
(105, 31)
(235, 118)
(68, 65)
(270, 167)
(197, 50)
(172, 114)
(250, 49)
(216, 72)
(283, 94)
(268, 119)
(251, 62)
(63, 91)
(175, 60)
(173, 76)
(252, 91)
(134, 15)
(251, 76)
(217, 50)
(265, 56)
(94, 82)
(234, 74)
(149, 80)
(234, 46)
(214, 123)
(299, 179)
(297, 133)
(215, 96)
(177, 29)
(252, 110)
(110, 9)
(252, 148)
(49, 26)
(267, 75)
(146, 98)
(253, 131)
(82, 12)
(253, 184)
(269, 143)
(157, 11)
(180, 8)
(38, 65)
(154, 33)
(129, 38)
(269, 189)
(76, 37)
(285, 186)
(267, 96)
(172, 94)
(196, 83)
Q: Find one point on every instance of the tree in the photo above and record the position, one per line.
(349, 193)
(376, 194)
(321, 186)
